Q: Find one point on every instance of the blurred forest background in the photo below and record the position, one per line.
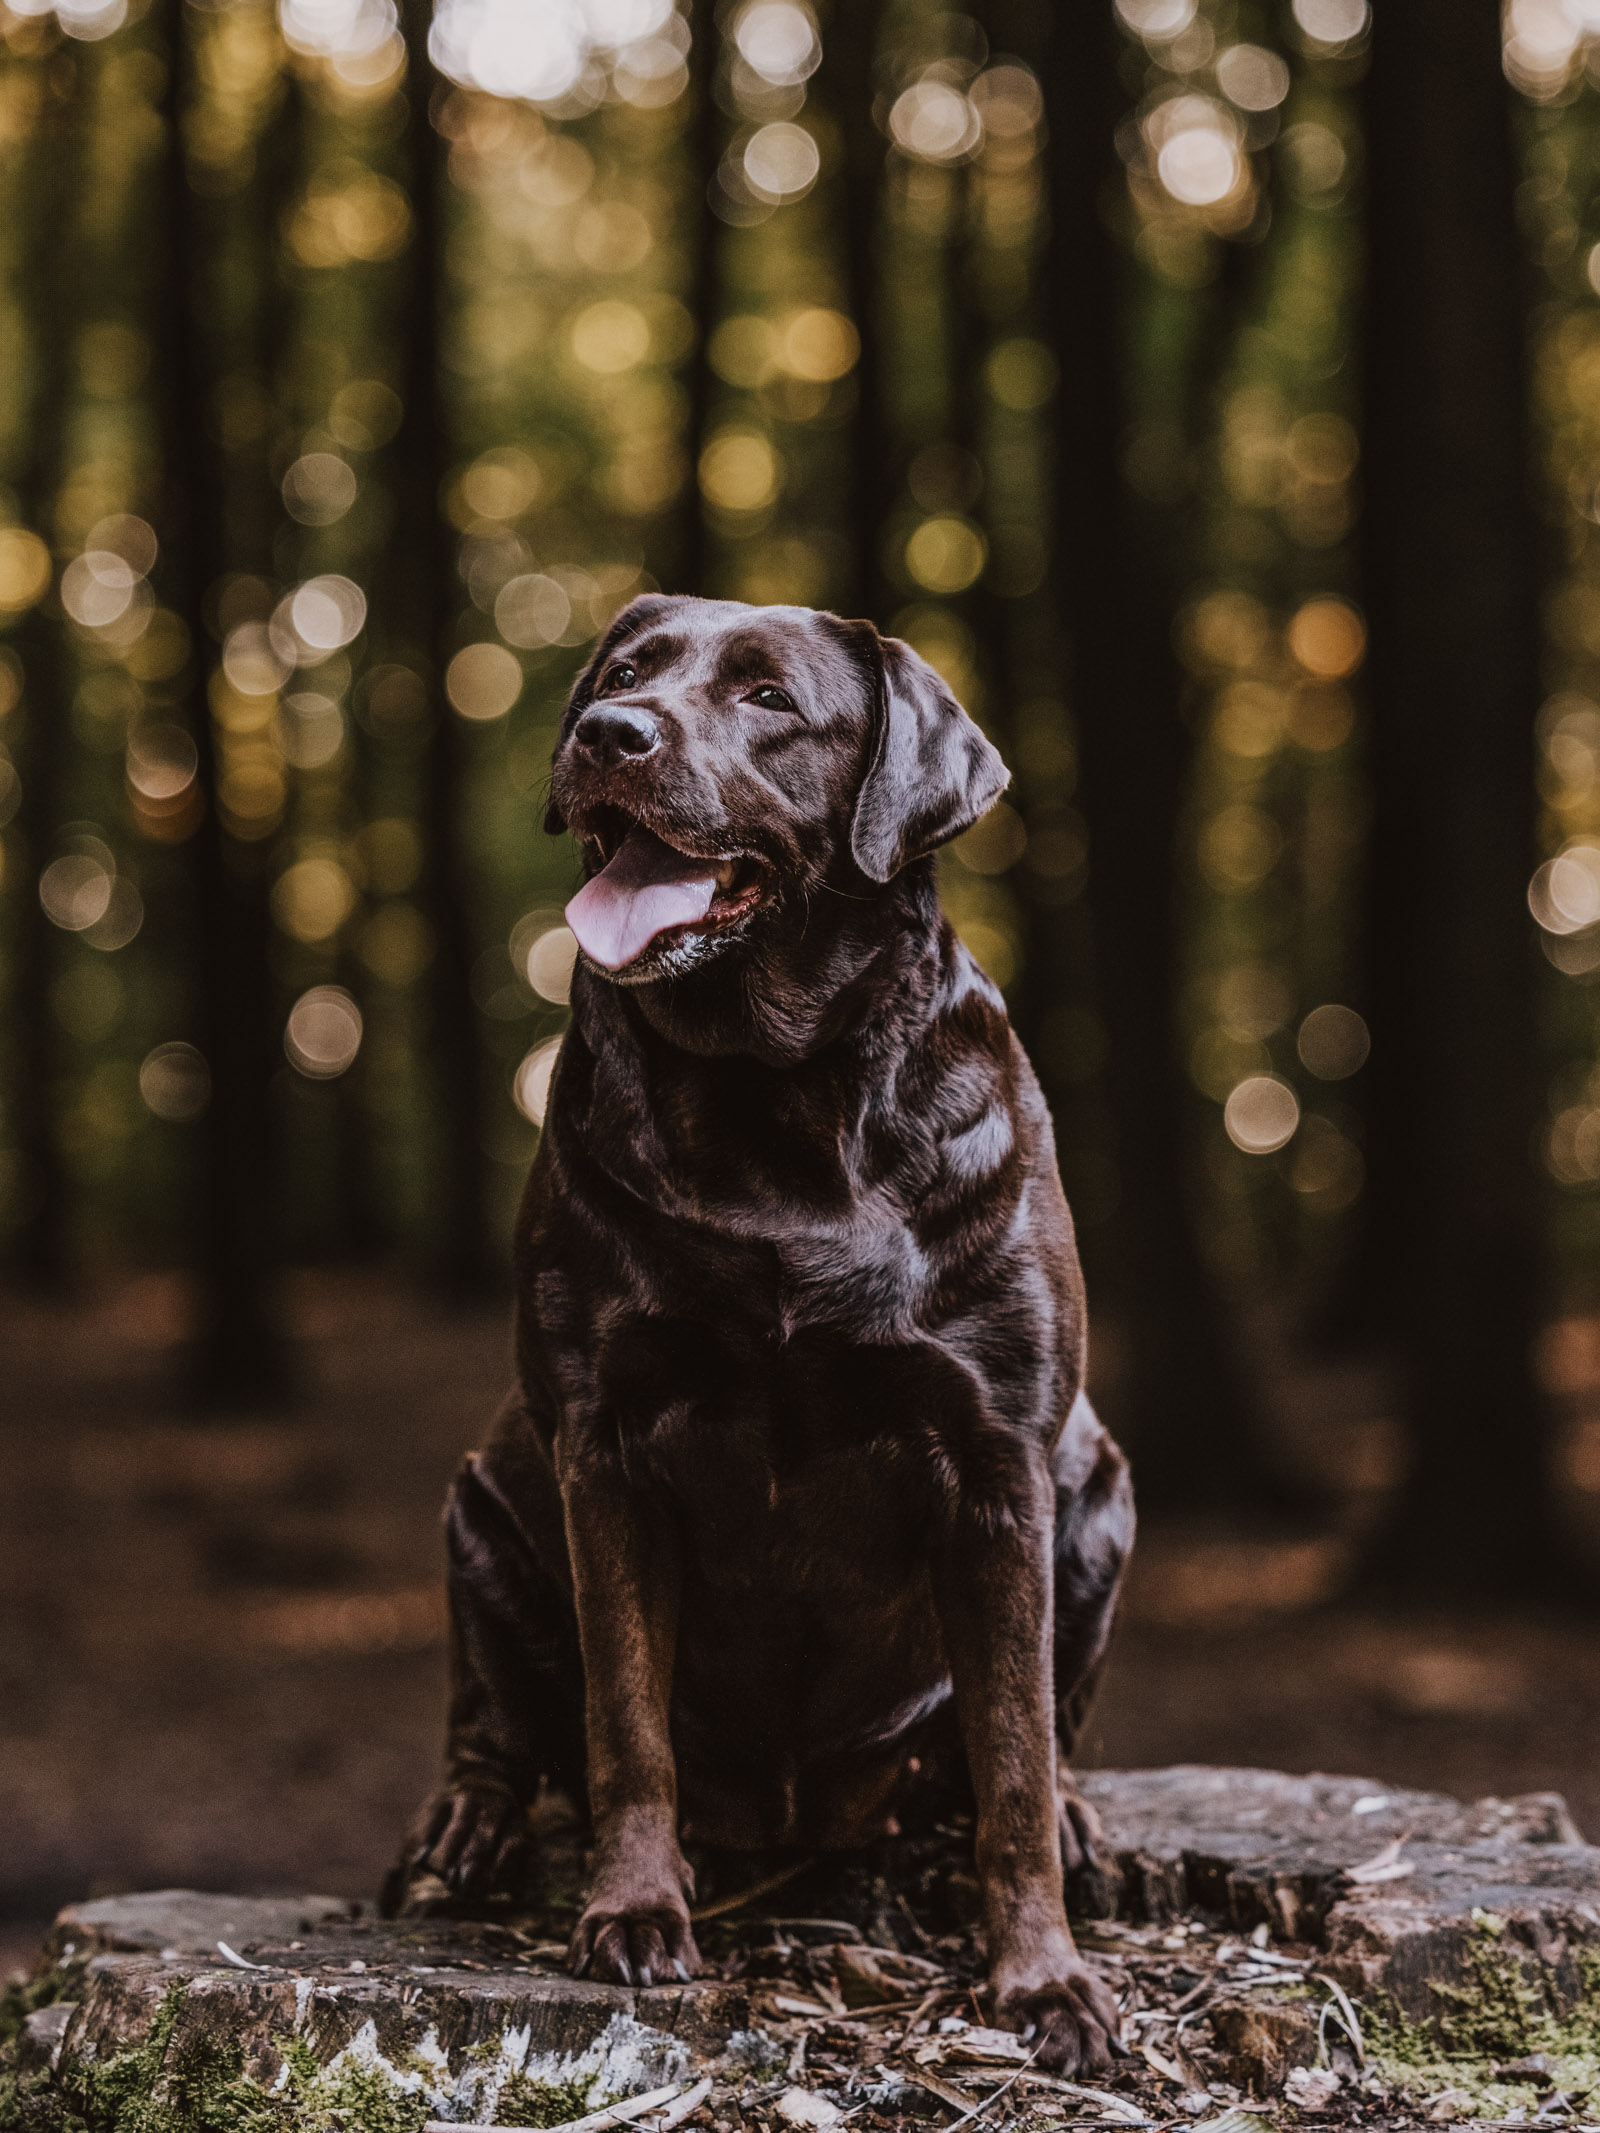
(1210, 389)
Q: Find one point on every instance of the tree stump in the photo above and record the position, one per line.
(1402, 1912)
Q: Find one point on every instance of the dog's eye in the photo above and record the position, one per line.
(770, 698)
(622, 677)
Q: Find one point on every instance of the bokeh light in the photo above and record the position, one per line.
(739, 471)
(532, 610)
(779, 40)
(946, 554)
(1252, 78)
(321, 616)
(162, 761)
(359, 39)
(96, 588)
(1328, 638)
(1564, 894)
(610, 337)
(1008, 102)
(546, 53)
(1157, 21)
(935, 122)
(781, 162)
(175, 1082)
(252, 662)
(312, 899)
(75, 890)
(319, 489)
(817, 344)
(309, 729)
(549, 964)
(483, 681)
(120, 921)
(1333, 1042)
(1332, 22)
(128, 536)
(25, 569)
(1261, 1115)
(1196, 145)
(531, 1084)
(323, 1033)
(1022, 374)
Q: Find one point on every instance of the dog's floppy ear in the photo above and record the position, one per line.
(647, 608)
(930, 771)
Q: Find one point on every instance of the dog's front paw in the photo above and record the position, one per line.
(634, 1940)
(472, 1837)
(1073, 2018)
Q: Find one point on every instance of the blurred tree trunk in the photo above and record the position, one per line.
(1190, 1412)
(849, 48)
(425, 549)
(55, 167)
(240, 1357)
(704, 154)
(1452, 560)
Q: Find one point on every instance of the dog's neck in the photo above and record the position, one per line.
(849, 965)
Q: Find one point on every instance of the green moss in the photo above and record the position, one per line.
(199, 2086)
(24, 1996)
(526, 2102)
(1500, 2011)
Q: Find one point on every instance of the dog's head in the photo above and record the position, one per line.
(719, 764)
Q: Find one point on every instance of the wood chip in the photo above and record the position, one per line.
(685, 2107)
(923, 2078)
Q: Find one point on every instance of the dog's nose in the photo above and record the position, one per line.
(612, 731)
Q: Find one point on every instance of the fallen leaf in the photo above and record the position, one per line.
(799, 2107)
(1164, 2067)
(976, 2043)
(862, 1982)
(1312, 2087)
(813, 2010)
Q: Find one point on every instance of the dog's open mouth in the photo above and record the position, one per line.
(647, 888)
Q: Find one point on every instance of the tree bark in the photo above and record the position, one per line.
(240, 1357)
(1451, 581)
(57, 162)
(703, 154)
(1188, 1409)
(462, 1255)
(849, 47)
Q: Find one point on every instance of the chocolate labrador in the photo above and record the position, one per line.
(799, 1467)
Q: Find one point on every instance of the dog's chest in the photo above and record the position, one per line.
(787, 1456)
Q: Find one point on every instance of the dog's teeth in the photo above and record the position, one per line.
(726, 869)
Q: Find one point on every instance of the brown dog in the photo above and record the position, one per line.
(799, 1450)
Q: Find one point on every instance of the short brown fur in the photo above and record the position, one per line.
(799, 1461)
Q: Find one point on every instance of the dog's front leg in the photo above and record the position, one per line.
(992, 1583)
(625, 1574)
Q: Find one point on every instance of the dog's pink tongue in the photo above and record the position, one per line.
(643, 889)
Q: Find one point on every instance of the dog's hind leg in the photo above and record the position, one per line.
(1094, 1536)
(516, 1699)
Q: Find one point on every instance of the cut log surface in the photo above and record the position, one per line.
(1396, 1886)
(1383, 1895)
(449, 2009)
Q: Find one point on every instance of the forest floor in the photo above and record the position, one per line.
(222, 1638)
